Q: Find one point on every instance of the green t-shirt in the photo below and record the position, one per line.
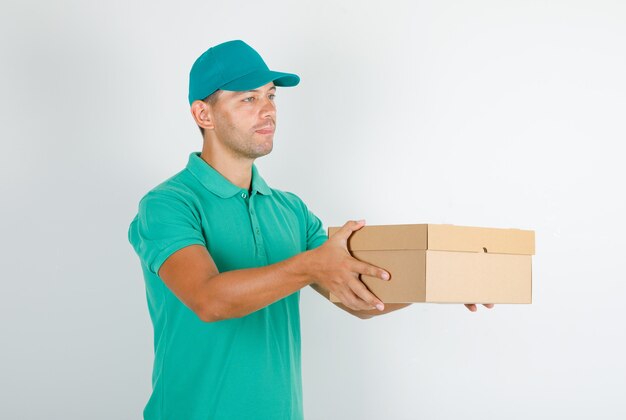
(242, 368)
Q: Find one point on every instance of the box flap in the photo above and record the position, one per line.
(477, 239)
(386, 237)
(442, 238)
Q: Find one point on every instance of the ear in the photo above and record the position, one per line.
(202, 114)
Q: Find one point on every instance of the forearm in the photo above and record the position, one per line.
(237, 293)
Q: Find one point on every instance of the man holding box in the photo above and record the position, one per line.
(224, 257)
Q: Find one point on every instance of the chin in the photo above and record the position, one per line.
(260, 151)
(266, 148)
(265, 152)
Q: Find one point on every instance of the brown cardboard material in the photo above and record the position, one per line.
(446, 263)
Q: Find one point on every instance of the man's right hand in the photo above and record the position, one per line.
(336, 270)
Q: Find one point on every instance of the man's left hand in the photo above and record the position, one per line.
(472, 306)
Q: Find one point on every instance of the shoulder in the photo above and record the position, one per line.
(178, 186)
(174, 193)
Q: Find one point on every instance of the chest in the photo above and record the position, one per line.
(252, 232)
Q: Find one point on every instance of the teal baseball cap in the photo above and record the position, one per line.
(232, 65)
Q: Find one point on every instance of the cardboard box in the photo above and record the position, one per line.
(446, 263)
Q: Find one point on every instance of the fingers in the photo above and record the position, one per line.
(357, 297)
(365, 296)
(348, 228)
(360, 290)
(472, 307)
(370, 270)
(354, 293)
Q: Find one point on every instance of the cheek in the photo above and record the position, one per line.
(235, 127)
(225, 121)
(242, 115)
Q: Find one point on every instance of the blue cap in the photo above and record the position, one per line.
(233, 65)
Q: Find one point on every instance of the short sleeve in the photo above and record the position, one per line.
(315, 233)
(163, 225)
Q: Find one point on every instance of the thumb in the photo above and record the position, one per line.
(348, 229)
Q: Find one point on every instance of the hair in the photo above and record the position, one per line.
(210, 100)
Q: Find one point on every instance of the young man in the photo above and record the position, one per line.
(224, 257)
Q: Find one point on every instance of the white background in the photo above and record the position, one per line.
(480, 113)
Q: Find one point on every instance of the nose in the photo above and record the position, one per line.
(268, 109)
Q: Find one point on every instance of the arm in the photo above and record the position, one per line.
(193, 277)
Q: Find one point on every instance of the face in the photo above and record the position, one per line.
(244, 122)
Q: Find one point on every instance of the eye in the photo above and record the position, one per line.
(249, 99)
(272, 96)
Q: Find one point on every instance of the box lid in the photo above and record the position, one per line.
(442, 238)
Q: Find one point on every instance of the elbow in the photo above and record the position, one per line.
(214, 312)
(210, 316)
(208, 312)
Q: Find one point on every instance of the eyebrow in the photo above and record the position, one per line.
(254, 90)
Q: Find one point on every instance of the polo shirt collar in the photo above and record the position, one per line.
(217, 184)
(258, 183)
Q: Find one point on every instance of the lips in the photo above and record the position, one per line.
(268, 129)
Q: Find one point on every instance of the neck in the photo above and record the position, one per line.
(236, 169)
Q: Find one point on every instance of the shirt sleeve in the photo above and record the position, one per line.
(163, 225)
(315, 233)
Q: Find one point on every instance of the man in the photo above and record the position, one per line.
(224, 257)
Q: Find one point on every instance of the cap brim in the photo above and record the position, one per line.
(259, 78)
